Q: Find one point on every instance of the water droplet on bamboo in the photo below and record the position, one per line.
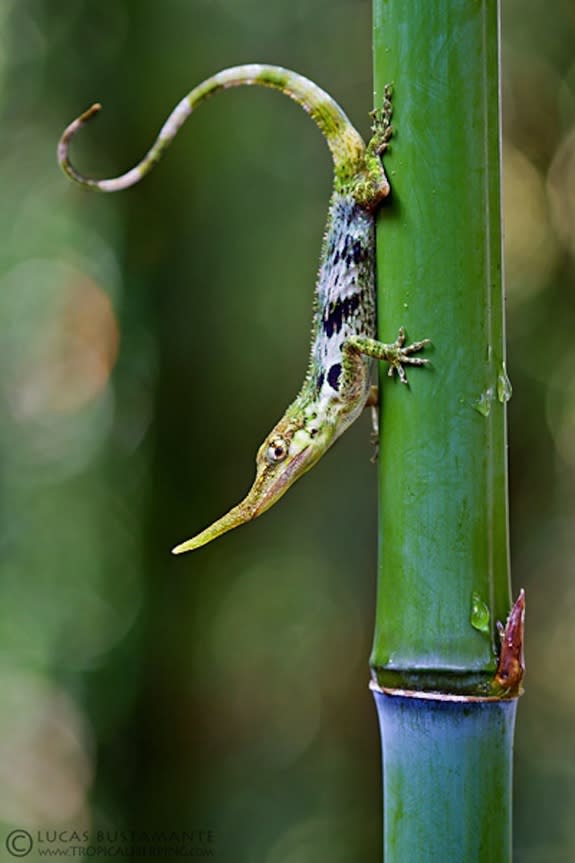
(480, 615)
(483, 403)
(504, 388)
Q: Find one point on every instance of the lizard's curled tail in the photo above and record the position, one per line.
(346, 144)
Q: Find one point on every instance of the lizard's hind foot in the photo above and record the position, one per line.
(381, 123)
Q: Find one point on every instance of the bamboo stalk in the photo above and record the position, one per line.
(444, 564)
(447, 779)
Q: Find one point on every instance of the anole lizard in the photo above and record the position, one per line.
(337, 383)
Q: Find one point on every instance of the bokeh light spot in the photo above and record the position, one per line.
(530, 244)
(45, 767)
(561, 191)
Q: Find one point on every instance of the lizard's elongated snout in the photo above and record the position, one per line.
(268, 487)
(240, 514)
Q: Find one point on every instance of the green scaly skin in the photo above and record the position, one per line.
(336, 387)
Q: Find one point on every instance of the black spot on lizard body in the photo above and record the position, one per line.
(334, 375)
(338, 312)
(359, 252)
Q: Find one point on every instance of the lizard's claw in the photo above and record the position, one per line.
(403, 356)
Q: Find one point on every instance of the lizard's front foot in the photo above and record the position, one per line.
(400, 354)
(397, 354)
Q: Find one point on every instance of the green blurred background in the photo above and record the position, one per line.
(148, 341)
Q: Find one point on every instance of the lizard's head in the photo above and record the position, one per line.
(293, 446)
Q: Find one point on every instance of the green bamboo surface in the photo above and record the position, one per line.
(443, 554)
(443, 492)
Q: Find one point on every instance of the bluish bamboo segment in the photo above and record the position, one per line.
(459, 809)
(443, 487)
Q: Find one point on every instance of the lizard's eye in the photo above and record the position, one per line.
(277, 450)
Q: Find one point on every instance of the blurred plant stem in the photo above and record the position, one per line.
(443, 567)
